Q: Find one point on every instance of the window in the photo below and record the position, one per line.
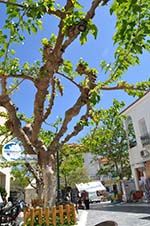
(145, 138)
(143, 127)
(130, 132)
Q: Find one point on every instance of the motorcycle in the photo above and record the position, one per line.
(12, 215)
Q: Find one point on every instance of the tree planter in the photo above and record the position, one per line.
(60, 215)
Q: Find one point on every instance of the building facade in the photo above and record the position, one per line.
(4, 172)
(138, 131)
(92, 165)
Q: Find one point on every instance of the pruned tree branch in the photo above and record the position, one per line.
(71, 80)
(41, 86)
(51, 101)
(21, 76)
(30, 182)
(12, 3)
(57, 13)
(70, 113)
(58, 49)
(124, 87)
(90, 14)
(3, 84)
(33, 171)
(14, 123)
(42, 90)
(70, 39)
(79, 126)
(16, 86)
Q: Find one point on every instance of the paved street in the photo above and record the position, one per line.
(123, 214)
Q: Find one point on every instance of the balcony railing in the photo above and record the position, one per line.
(145, 139)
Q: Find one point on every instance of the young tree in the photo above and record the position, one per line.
(72, 169)
(79, 175)
(131, 37)
(109, 141)
(20, 177)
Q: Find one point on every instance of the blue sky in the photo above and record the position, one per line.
(93, 52)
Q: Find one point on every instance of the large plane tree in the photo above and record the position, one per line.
(75, 23)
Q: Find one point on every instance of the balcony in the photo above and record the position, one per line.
(145, 139)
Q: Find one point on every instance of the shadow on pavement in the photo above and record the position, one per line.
(121, 208)
(145, 218)
(107, 223)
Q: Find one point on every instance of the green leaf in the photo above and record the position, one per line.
(94, 97)
(53, 39)
(45, 42)
(39, 24)
(12, 51)
(94, 30)
(26, 66)
(83, 38)
(33, 28)
(77, 5)
(2, 52)
(67, 67)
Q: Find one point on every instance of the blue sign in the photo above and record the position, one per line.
(13, 150)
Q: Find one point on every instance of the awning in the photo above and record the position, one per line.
(91, 186)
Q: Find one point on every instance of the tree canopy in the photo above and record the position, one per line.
(109, 141)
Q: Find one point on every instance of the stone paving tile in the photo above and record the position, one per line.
(122, 218)
(123, 214)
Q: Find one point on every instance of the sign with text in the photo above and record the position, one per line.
(13, 150)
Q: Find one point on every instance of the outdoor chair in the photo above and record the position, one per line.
(107, 223)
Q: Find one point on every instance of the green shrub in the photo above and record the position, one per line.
(57, 222)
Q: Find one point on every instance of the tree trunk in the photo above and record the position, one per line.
(46, 185)
(49, 191)
(66, 184)
(39, 189)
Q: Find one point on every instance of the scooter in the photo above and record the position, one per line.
(12, 215)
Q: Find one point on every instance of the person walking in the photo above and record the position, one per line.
(74, 196)
(85, 198)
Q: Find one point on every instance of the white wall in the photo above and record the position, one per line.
(91, 166)
(138, 110)
(5, 171)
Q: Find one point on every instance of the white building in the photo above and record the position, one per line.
(4, 172)
(92, 166)
(138, 130)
